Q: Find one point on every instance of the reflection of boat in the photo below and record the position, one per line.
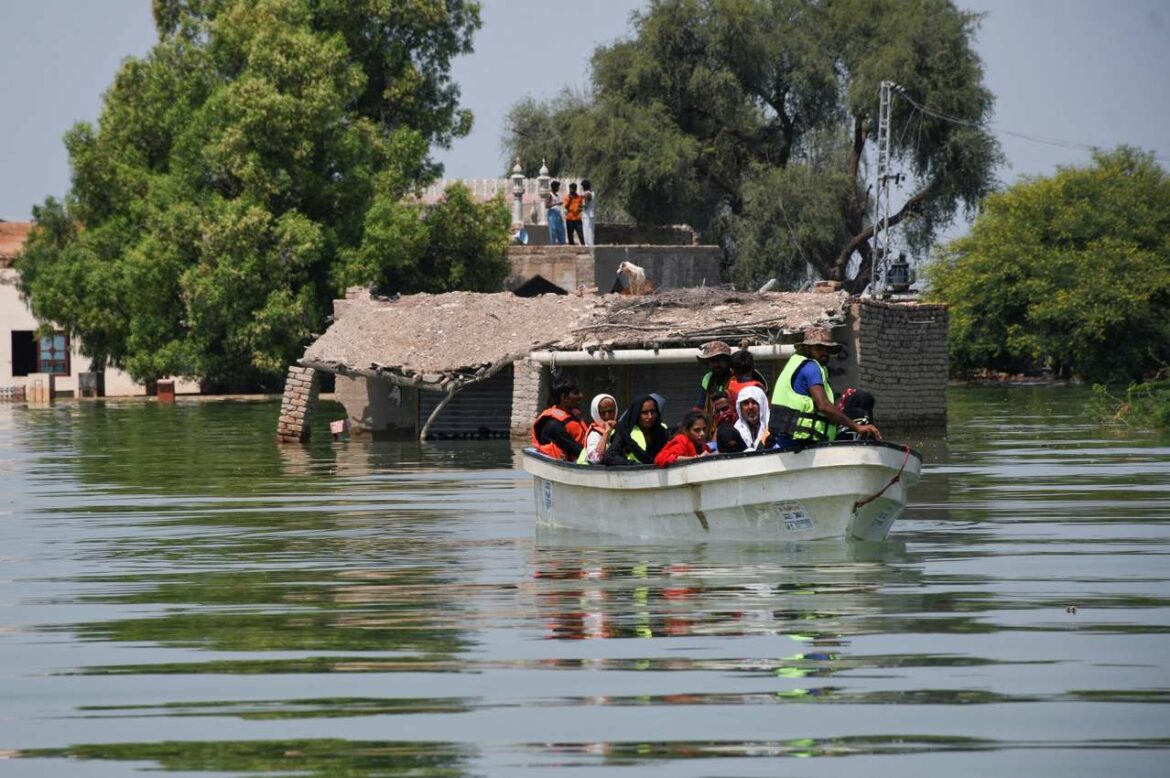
(847, 489)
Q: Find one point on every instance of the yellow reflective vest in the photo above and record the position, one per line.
(795, 414)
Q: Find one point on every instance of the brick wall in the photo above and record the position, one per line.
(529, 388)
(901, 357)
(566, 266)
(667, 267)
(569, 267)
(297, 405)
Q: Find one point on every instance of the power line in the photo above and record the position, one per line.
(1066, 144)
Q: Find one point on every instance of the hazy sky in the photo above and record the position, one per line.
(1084, 71)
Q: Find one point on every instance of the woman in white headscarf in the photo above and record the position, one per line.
(603, 416)
(750, 430)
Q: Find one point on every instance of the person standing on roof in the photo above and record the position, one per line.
(573, 205)
(588, 211)
(557, 433)
(555, 209)
(802, 402)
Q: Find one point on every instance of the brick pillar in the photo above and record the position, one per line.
(297, 405)
(529, 384)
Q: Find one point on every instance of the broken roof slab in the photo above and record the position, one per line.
(435, 341)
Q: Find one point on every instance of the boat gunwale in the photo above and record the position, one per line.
(724, 457)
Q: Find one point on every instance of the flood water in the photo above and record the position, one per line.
(178, 594)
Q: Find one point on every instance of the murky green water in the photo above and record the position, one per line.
(179, 594)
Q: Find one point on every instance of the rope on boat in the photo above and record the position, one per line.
(897, 477)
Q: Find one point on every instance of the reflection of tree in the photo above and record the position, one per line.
(228, 447)
(323, 757)
(288, 610)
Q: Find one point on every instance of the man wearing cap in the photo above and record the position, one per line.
(717, 355)
(802, 401)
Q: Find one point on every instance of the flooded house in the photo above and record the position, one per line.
(462, 365)
(37, 365)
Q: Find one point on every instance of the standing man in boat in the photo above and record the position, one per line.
(802, 401)
(717, 356)
(557, 432)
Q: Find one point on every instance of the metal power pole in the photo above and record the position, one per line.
(882, 247)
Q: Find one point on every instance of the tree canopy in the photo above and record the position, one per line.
(255, 160)
(1071, 269)
(753, 120)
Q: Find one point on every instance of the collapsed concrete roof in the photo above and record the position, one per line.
(443, 341)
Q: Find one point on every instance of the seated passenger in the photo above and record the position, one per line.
(557, 433)
(638, 436)
(721, 412)
(689, 443)
(750, 431)
(744, 373)
(857, 404)
(603, 415)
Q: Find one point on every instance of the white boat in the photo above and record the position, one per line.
(845, 489)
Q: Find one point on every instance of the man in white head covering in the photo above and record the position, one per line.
(750, 431)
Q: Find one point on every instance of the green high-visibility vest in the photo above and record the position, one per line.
(639, 437)
(794, 414)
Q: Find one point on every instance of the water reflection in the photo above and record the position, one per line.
(182, 594)
(645, 591)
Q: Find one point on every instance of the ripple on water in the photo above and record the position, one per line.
(182, 594)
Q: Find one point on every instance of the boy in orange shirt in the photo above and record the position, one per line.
(573, 204)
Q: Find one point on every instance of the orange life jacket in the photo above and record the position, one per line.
(734, 386)
(574, 427)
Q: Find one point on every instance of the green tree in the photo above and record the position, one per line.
(1071, 269)
(258, 142)
(754, 119)
(455, 244)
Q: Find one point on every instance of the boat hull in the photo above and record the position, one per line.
(812, 494)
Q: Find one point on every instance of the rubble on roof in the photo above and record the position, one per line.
(437, 341)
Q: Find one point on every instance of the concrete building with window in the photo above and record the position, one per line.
(53, 359)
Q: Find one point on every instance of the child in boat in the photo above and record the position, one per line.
(857, 404)
(744, 373)
(689, 443)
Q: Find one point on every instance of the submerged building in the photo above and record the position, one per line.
(463, 365)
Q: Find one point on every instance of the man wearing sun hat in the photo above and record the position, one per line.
(717, 356)
(802, 400)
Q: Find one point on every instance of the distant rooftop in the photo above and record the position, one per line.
(12, 237)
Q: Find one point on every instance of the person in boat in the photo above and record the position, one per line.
(603, 418)
(690, 442)
(749, 432)
(857, 404)
(721, 412)
(744, 373)
(803, 410)
(638, 436)
(557, 432)
(717, 356)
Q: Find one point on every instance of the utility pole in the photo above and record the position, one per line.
(882, 248)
